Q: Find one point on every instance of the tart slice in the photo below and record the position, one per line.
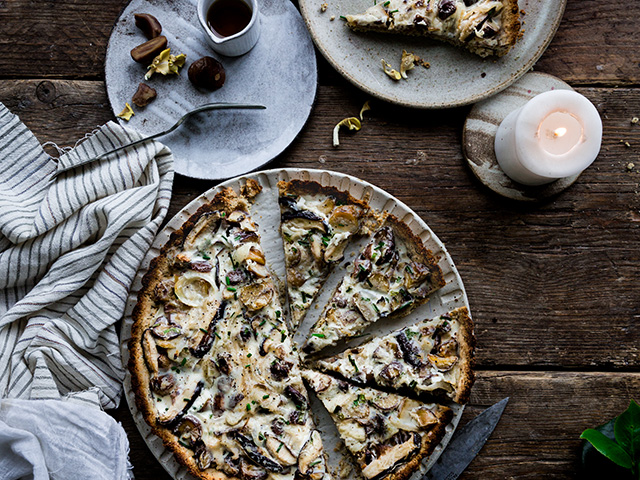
(388, 434)
(392, 275)
(484, 27)
(316, 226)
(434, 356)
(212, 365)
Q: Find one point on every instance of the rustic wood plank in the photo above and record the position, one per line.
(538, 434)
(68, 38)
(551, 285)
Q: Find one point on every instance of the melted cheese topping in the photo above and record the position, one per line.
(423, 357)
(225, 376)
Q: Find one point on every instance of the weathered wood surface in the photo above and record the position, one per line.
(597, 42)
(553, 287)
(538, 434)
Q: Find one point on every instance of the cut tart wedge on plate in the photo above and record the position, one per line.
(434, 356)
(484, 27)
(393, 274)
(388, 434)
(212, 364)
(316, 225)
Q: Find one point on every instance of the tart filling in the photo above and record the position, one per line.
(484, 27)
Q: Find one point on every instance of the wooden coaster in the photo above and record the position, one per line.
(479, 133)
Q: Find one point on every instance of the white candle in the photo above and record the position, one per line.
(556, 134)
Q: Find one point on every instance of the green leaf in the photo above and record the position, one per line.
(627, 430)
(607, 447)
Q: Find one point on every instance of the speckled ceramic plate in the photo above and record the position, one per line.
(456, 77)
(266, 213)
(226, 143)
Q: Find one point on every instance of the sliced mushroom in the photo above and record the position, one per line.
(280, 451)
(257, 295)
(425, 417)
(165, 329)
(202, 455)
(311, 463)
(189, 430)
(410, 352)
(181, 405)
(386, 402)
(305, 220)
(254, 454)
(258, 270)
(298, 399)
(206, 226)
(280, 369)
(345, 219)
(367, 307)
(150, 351)
(448, 348)
(163, 384)
(390, 458)
(294, 278)
(249, 471)
(207, 340)
(444, 364)
(270, 341)
(391, 371)
(316, 249)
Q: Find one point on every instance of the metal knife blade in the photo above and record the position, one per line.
(466, 443)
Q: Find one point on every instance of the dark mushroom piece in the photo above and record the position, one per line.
(207, 340)
(298, 399)
(165, 329)
(254, 454)
(410, 352)
(391, 371)
(249, 471)
(202, 455)
(446, 8)
(189, 430)
(280, 369)
(187, 398)
(163, 384)
(385, 246)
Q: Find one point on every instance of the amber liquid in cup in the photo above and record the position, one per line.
(228, 17)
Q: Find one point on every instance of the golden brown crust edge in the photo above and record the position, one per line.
(226, 200)
(430, 441)
(510, 26)
(467, 345)
(310, 187)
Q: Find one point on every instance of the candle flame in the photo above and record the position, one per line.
(560, 132)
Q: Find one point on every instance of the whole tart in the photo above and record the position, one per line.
(212, 365)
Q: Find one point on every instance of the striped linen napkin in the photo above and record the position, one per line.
(69, 250)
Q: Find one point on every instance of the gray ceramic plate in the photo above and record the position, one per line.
(222, 144)
(456, 77)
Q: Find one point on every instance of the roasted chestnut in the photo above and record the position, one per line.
(149, 25)
(149, 50)
(144, 95)
(207, 73)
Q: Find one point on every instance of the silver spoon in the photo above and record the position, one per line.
(202, 108)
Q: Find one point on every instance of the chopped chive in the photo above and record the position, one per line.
(186, 399)
(205, 256)
(249, 355)
(184, 361)
(184, 444)
(248, 407)
(231, 289)
(278, 449)
(278, 313)
(315, 463)
(319, 335)
(227, 281)
(343, 17)
(203, 330)
(262, 323)
(264, 397)
(353, 362)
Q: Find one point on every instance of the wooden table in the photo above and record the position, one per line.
(554, 288)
